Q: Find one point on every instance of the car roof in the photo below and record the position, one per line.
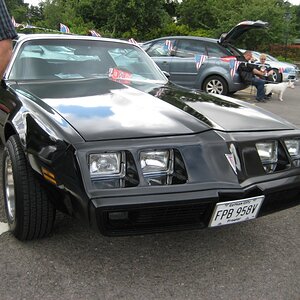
(275, 63)
(38, 36)
(187, 37)
(228, 37)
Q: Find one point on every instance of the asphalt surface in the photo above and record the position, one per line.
(258, 259)
(289, 108)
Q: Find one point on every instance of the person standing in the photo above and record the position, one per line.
(251, 75)
(7, 34)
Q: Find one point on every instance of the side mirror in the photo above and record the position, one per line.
(167, 74)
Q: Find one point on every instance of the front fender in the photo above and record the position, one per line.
(53, 158)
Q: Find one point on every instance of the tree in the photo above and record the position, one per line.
(220, 16)
(136, 17)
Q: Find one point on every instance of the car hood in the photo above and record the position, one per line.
(239, 30)
(103, 109)
(279, 64)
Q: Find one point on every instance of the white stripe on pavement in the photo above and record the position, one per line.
(3, 227)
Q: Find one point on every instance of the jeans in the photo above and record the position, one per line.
(260, 86)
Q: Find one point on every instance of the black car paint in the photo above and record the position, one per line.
(95, 110)
(51, 139)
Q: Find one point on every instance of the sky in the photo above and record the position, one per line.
(32, 2)
(36, 2)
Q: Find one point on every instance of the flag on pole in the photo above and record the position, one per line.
(94, 33)
(168, 45)
(64, 28)
(14, 22)
(133, 41)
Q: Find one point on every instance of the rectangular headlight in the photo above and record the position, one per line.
(268, 153)
(156, 161)
(105, 164)
(293, 147)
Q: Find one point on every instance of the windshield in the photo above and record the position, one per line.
(63, 59)
(232, 50)
(269, 57)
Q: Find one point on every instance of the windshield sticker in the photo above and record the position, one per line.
(119, 75)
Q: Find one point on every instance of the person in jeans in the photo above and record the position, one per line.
(7, 33)
(252, 76)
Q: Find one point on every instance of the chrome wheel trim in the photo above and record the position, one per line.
(214, 86)
(9, 189)
(274, 77)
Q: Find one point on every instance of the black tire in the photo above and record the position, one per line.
(276, 77)
(231, 93)
(215, 85)
(29, 213)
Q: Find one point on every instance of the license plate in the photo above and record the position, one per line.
(236, 211)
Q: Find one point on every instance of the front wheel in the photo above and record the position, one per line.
(215, 85)
(276, 76)
(29, 212)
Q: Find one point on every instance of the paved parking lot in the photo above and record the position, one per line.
(288, 109)
(252, 260)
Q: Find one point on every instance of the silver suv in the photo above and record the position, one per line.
(202, 63)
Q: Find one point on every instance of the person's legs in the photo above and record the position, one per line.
(260, 86)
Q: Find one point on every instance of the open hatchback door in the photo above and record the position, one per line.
(240, 29)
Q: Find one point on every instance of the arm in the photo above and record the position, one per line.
(7, 33)
(258, 72)
(5, 55)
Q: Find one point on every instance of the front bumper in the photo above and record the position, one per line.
(149, 213)
(286, 76)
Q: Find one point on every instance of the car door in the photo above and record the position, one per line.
(161, 52)
(185, 63)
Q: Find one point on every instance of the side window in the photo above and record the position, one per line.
(161, 48)
(190, 48)
(214, 50)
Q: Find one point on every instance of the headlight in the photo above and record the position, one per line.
(157, 161)
(268, 153)
(157, 166)
(293, 147)
(105, 164)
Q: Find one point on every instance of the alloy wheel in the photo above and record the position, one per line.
(214, 86)
(9, 189)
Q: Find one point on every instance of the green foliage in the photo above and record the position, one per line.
(148, 19)
(220, 16)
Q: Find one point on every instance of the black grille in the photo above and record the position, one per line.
(170, 215)
(280, 200)
(161, 218)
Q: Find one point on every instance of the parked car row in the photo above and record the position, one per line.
(92, 127)
(210, 64)
(202, 63)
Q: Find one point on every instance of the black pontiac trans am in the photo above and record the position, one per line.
(93, 128)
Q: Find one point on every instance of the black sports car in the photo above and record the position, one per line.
(93, 128)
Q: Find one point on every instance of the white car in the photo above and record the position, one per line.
(283, 71)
